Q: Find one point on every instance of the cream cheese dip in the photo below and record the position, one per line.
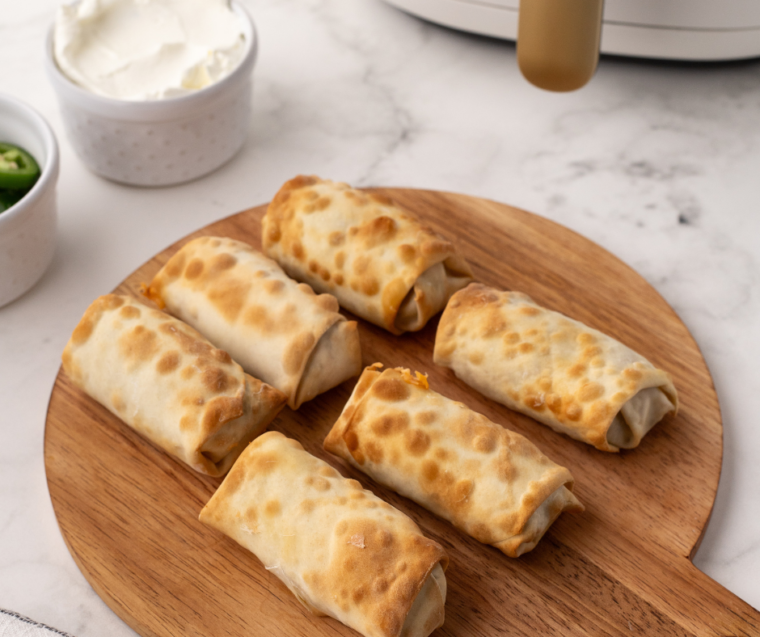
(147, 49)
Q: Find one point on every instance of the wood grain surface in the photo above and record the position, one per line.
(129, 513)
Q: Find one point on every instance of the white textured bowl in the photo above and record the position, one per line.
(159, 142)
(27, 229)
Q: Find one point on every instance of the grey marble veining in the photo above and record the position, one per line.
(657, 162)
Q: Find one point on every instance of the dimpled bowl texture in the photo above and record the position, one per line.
(159, 142)
(28, 228)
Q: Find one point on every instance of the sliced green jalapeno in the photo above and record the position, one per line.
(18, 170)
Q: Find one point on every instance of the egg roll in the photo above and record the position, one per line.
(276, 328)
(342, 551)
(376, 257)
(574, 379)
(491, 483)
(168, 383)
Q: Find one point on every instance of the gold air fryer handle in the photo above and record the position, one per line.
(558, 42)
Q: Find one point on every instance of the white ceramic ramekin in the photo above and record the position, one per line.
(160, 142)
(27, 229)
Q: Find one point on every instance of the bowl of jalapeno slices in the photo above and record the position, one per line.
(28, 176)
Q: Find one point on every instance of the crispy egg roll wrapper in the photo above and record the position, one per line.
(376, 257)
(490, 482)
(341, 550)
(276, 328)
(564, 374)
(168, 383)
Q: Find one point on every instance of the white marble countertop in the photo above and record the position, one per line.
(657, 162)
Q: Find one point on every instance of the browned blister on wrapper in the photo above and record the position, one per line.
(377, 258)
(341, 550)
(564, 374)
(276, 328)
(167, 382)
(492, 483)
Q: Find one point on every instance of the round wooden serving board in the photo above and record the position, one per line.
(129, 512)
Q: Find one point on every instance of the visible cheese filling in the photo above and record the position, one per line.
(637, 417)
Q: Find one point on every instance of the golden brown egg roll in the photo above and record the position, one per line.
(376, 257)
(168, 383)
(341, 550)
(276, 328)
(564, 374)
(490, 482)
